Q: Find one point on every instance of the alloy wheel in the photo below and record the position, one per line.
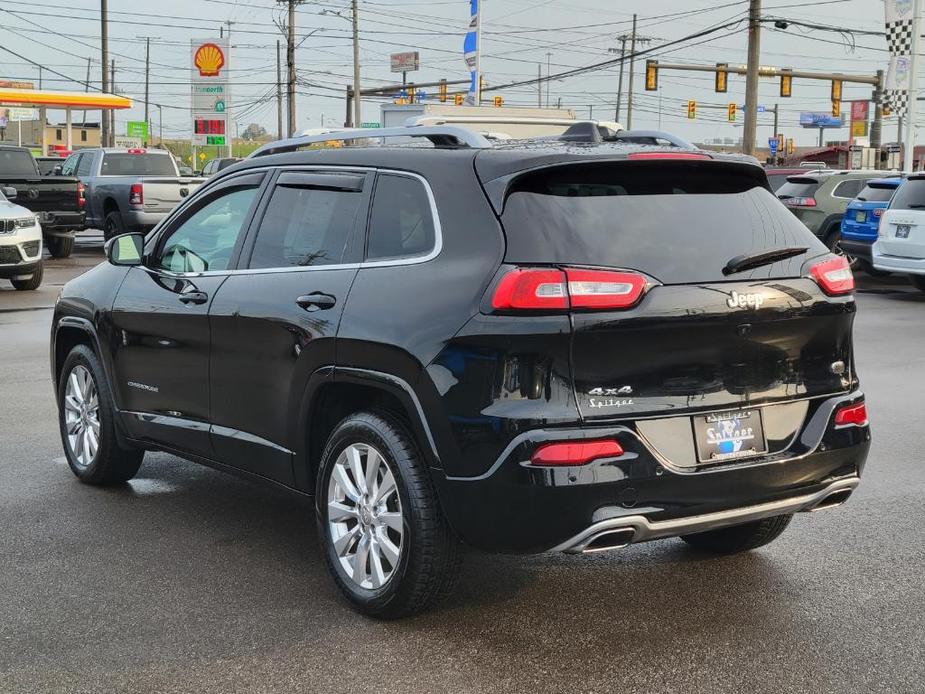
(365, 519)
(82, 416)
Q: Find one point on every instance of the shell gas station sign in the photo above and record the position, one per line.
(211, 94)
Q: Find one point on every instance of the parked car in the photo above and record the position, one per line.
(459, 343)
(213, 166)
(819, 199)
(58, 201)
(862, 219)
(778, 176)
(128, 189)
(20, 243)
(900, 244)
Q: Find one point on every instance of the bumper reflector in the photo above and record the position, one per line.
(575, 453)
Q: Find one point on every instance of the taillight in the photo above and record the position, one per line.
(575, 452)
(81, 195)
(668, 155)
(833, 276)
(878, 212)
(800, 202)
(137, 150)
(136, 195)
(534, 289)
(852, 415)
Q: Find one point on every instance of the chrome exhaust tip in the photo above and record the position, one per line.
(833, 500)
(618, 538)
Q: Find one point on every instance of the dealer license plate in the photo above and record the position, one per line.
(729, 435)
(903, 230)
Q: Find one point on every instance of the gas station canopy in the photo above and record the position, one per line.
(65, 100)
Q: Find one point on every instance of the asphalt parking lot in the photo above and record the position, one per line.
(188, 580)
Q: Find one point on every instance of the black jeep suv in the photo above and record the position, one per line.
(546, 346)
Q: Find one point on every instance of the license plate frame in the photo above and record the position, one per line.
(903, 231)
(729, 435)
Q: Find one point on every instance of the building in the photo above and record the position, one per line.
(82, 134)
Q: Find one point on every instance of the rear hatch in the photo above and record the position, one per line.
(698, 337)
(902, 229)
(862, 215)
(163, 194)
(799, 194)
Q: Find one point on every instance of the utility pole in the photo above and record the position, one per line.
(751, 77)
(622, 39)
(357, 100)
(548, 73)
(87, 88)
(279, 93)
(160, 123)
(912, 94)
(876, 128)
(290, 64)
(112, 111)
(634, 39)
(539, 85)
(40, 76)
(147, 81)
(104, 58)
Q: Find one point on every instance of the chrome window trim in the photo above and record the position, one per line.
(394, 262)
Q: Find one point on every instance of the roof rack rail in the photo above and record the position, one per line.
(442, 136)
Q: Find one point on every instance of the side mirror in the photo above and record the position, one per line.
(9, 193)
(127, 249)
(57, 171)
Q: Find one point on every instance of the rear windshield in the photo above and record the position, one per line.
(124, 164)
(800, 188)
(777, 180)
(680, 222)
(14, 162)
(873, 193)
(910, 195)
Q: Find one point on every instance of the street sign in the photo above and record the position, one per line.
(137, 129)
(370, 125)
(421, 96)
(127, 142)
(772, 145)
(21, 114)
(409, 61)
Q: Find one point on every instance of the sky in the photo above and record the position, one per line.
(519, 36)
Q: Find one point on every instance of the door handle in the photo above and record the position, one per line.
(316, 301)
(194, 297)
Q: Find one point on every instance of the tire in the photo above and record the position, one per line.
(33, 282)
(918, 281)
(870, 270)
(425, 566)
(82, 378)
(739, 538)
(60, 246)
(113, 225)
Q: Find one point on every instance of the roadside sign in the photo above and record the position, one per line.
(409, 61)
(137, 129)
(211, 98)
(772, 145)
(127, 142)
(370, 125)
(421, 95)
(21, 114)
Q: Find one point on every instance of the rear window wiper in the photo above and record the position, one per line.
(749, 261)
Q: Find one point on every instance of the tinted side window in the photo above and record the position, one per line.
(910, 195)
(849, 189)
(206, 239)
(401, 223)
(307, 225)
(84, 164)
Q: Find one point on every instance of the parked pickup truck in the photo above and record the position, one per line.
(55, 199)
(128, 189)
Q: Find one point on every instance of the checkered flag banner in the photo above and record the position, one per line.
(900, 41)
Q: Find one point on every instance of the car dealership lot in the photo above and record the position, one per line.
(186, 579)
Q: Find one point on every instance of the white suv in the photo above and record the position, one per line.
(20, 244)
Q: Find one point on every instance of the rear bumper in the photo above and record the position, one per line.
(62, 223)
(858, 249)
(517, 507)
(136, 220)
(895, 263)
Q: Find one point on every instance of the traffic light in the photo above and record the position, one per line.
(731, 112)
(692, 109)
(458, 99)
(499, 102)
(786, 83)
(780, 142)
(442, 91)
(790, 147)
(411, 93)
(836, 109)
(836, 90)
(722, 77)
(651, 75)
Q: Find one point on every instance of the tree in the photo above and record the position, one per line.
(254, 131)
